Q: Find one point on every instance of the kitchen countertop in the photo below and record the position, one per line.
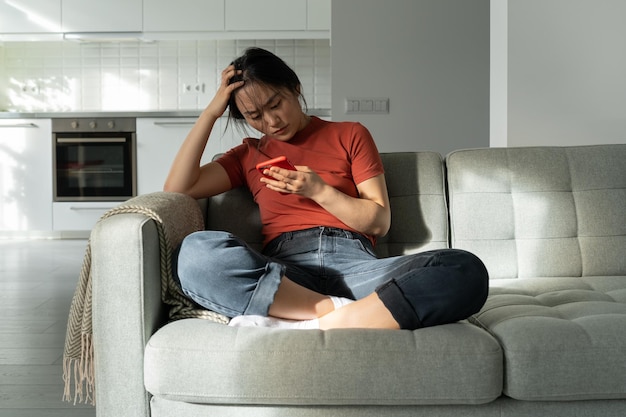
(136, 114)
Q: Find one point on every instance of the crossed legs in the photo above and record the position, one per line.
(219, 272)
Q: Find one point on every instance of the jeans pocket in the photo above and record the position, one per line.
(273, 248)
(365, 245)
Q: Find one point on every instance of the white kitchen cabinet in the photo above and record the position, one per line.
(266, 15)
(183, 15)
(318, 15)
(30, 16)
(158, 141)
(102, 16)
(25, 175)
(75, 216)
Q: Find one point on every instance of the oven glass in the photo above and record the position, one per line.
(90, 167)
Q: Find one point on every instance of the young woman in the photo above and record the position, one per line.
(320, 221)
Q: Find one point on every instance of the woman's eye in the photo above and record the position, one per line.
(276, 105)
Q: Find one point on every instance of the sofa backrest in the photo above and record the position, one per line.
(542, 211)
(416, 185)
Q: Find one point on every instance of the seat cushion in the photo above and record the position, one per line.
(563, 338)
(204, 362)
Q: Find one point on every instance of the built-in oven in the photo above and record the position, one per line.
(94, 159)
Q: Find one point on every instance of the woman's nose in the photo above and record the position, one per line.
(272, 119)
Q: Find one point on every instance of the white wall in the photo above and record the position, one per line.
(564, 69)
(430, 57)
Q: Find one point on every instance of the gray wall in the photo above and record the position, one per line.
(558, 72)
(429, 57)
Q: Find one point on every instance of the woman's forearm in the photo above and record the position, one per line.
(369, 214)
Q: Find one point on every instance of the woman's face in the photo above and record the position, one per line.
(274, 112)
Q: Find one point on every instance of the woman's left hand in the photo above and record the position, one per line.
(304, 181)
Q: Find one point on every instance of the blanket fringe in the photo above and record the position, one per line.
(81, 371)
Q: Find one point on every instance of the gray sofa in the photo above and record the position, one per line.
(549, 223)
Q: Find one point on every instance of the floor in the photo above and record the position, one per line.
(37, 281)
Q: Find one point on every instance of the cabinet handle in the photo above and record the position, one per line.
(75, 208)
(28, 125)
(91, 140)
(173, 124)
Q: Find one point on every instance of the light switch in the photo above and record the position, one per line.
(381, 106)
(352, 106)
(367, 105)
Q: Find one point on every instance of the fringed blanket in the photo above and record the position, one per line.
(174, 221)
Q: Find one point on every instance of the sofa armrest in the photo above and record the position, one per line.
(127, 306)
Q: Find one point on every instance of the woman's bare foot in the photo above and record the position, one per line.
(369, 312)
(295, 302)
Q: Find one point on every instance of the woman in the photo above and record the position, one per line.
(320, 221)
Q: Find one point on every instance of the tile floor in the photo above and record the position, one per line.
(37, 281)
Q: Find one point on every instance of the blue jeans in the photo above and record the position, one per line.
(222, 273)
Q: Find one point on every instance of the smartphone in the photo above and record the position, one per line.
(280, 162)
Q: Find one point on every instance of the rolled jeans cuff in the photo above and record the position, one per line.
(401, 310)
(265, 291)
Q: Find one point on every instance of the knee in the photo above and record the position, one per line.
(197, 251)
(199, 244)
(475, 280)
(466, 279)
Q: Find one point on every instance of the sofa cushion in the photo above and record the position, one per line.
(563, 338)
(416, 188)
(545, 211)
(203, 362)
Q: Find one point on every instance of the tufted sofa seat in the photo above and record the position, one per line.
(563, 338)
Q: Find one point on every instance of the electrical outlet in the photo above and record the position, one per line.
(31, 87)
(193, 88)
(367, 105)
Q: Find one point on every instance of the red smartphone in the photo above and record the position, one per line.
(280, 162)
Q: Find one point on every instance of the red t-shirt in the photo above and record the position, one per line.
(343, 154)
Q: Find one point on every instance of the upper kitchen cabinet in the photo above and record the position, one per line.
(236, 19)
(183, 15)
(318, 15)
(267, 15)
(30, 16)
(87, 16)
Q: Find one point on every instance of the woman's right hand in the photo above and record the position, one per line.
(218, 105)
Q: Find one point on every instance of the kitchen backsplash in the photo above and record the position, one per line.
(139, 76)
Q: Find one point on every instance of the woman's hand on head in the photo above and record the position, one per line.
(304, 181)
(218, 104)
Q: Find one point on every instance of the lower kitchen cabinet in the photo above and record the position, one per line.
(73, 216)
(25, 175)
(158, 141)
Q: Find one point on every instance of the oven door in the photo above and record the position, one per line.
(94, 166)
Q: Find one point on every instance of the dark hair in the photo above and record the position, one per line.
(263, 67)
